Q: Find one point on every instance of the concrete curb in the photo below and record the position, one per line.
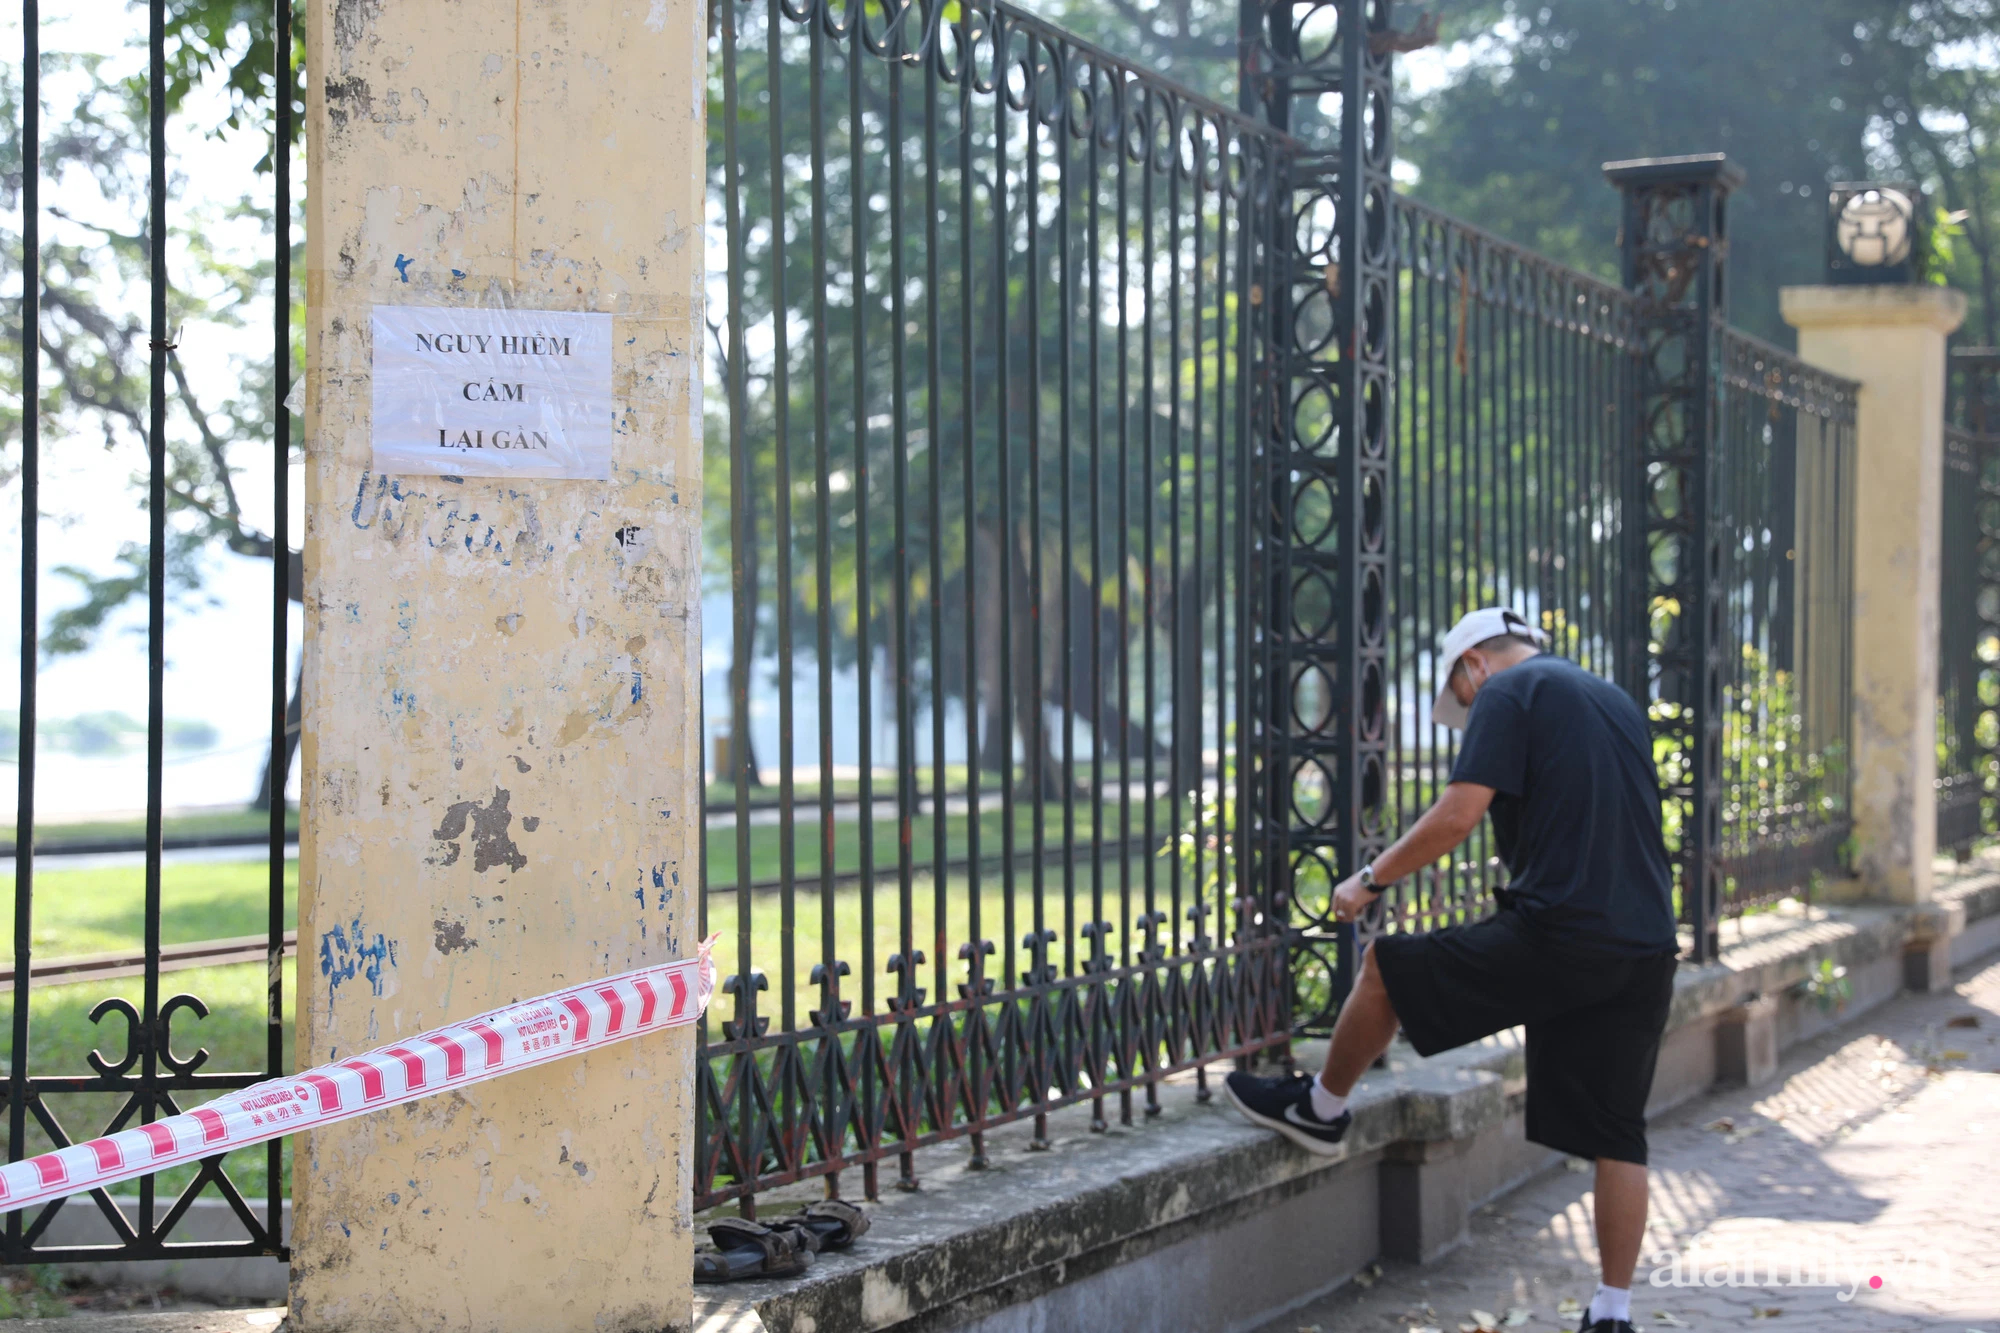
(1109, 1227)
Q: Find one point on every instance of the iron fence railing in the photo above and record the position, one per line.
(1968, 781)
(1511, 420)
(1965, 634)
(1321, 803)
(1144, 449)
(142, 1067)
(989, 323)
(1785, 513)
(1508, 473)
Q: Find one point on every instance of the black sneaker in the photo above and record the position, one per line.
(1285, 1104)
(1603, 1325)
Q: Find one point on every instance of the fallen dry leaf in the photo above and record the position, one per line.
(1517, 1315)
(1364, 1280)
(1721, 1126)
(1962, 1021)
(1957, 1055)
(1670, 1320)
(1569, 1305)
(1766, 1312)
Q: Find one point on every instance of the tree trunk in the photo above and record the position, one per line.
(1187, 687)
(1030, 690)
(743, 648)
(1094, 689)
(996, 747)
(278, 767)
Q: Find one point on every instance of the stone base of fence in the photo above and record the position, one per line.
(208, 1219)
(1194, 1220)
(1191, 1219)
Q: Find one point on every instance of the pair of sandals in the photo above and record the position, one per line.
(781, 1248)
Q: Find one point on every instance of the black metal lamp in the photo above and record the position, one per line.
(1873, 233)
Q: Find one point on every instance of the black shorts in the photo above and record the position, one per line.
(1594, 1022)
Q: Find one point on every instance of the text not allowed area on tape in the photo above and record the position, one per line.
(505, 1041)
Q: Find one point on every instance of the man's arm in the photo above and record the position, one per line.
(1442, 827)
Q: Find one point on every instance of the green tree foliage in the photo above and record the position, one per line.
(94, 353)
(1799, 95)
(894, 140)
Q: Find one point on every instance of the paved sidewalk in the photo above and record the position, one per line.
(1874, 1154)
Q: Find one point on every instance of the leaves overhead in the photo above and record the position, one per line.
(1799, 96)
(95, 376)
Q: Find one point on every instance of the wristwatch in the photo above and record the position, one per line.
(1367, 878)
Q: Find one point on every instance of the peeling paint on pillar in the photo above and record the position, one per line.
(500, 676)
(1892, 340)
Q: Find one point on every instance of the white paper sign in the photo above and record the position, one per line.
(492, 393)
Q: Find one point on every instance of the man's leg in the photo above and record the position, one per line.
(1452, 985)
(1621, 1229)
(1366, 1026)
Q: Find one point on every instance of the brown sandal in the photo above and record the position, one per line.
(832, 1224)
(745, 1249)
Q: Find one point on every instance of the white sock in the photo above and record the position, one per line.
(1611, 1303)
(1325, 1104)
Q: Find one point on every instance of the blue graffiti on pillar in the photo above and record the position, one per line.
(346, 953)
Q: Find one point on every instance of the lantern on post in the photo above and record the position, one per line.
(1873, 233)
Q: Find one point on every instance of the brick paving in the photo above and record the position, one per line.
(1875, 1153)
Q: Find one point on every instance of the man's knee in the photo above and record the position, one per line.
(1368, 979)
(1370, 974)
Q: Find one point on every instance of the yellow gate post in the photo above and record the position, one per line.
(1891, 339)
(501, 750)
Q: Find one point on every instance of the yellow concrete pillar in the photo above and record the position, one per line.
(1891, 339)
(500, 751)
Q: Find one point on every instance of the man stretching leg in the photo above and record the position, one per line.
(1581, 950)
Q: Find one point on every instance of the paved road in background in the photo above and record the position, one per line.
(1874, 1154)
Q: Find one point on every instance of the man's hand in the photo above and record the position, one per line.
(1441, 828)
(1351, 899)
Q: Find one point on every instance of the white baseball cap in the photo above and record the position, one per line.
(1473, 629)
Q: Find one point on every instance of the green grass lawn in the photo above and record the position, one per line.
(61, 1037)
(936, 933)
(245, 824)
(101, 910)
(767, 843)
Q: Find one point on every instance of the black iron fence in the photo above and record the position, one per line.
(77, 1069)
(1740, 564)
(1507, 446)
(990, 343)
(1785, 501)
(1142, 449)
(1968, 779)
(1145, 451)
(1512, 440)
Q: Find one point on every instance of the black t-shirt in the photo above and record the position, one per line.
(1576, 805)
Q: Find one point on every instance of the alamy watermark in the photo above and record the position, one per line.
(1846, 1270)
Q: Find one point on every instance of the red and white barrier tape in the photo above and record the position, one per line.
(505, 1041)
